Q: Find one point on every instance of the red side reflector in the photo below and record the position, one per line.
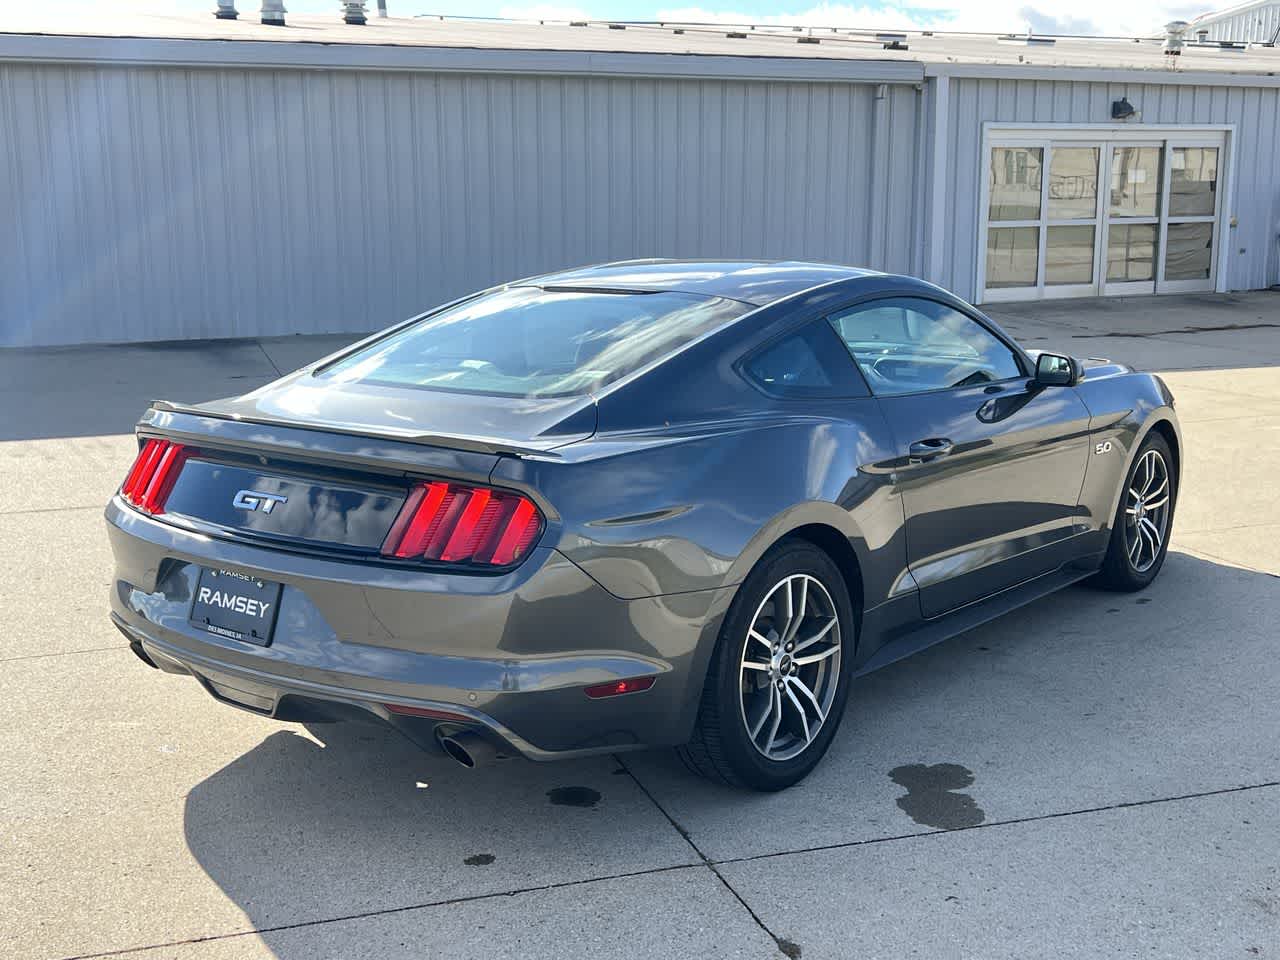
(428, 712)
(615, 688)
(463, 524)
(153, 474)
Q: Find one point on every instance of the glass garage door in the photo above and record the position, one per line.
(1074, 218)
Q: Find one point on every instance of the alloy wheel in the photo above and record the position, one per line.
(1146, 511)
(790, 667)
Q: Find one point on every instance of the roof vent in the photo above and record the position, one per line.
(273, 13)
(1173, 31)
(226, 10)
(735, 35)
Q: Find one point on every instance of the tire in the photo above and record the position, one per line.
(789, 738)
(1131, 564)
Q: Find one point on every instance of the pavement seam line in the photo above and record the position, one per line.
(1233, 526)
(18, 513)
(64, 653)
(279, 372)
(1060, 815)
(706, 861)
(370, 914)
(786, 948)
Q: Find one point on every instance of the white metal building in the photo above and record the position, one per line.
(178, 177)
(1257, 21)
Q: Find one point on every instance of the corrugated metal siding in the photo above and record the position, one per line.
(1254, 260)
(1261, 24)
(154, 203)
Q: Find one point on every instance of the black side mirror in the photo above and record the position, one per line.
(1053, 370)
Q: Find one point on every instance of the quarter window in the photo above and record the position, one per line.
(806, 363)
(910, 345)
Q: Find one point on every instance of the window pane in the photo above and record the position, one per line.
(1068, 256)
(1015, 183)
(1131, 252)
(884, 323)
(1193, 181)
(1189, 252)
(528, 342)
(808, 363)
(1073, 183)
(1013, 254)
(909, 345)
(1135, 181)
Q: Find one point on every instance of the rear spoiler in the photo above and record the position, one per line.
(162, 415)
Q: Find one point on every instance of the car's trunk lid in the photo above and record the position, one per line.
(465, 421)
(329, 470)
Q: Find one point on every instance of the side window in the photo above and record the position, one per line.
(910, 345)
(806, 363)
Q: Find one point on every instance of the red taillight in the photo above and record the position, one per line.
(615, 688)
(153, 474)
(459, 524)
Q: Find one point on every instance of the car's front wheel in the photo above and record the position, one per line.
(1144, 518)
(779, 679)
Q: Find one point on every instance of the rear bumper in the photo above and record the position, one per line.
(511, 653)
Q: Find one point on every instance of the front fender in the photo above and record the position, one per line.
(1124, 410)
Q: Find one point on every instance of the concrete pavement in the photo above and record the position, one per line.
(1095, 776)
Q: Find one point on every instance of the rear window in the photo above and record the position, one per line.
(530, 342)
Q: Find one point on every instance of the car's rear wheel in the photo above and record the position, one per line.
(1144, 518)
(779, 679)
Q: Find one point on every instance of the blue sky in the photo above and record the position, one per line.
(1124, 18)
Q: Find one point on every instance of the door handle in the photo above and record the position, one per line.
(924, 450)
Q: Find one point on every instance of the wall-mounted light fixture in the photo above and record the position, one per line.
(1122, 109)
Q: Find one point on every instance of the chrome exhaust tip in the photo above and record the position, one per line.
(468, 748)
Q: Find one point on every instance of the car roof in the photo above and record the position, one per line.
(757, 282)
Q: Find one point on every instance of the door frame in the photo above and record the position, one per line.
(1105, 135)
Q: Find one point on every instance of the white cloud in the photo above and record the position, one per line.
(543, 11)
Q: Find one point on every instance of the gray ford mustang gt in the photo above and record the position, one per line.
(639, 504)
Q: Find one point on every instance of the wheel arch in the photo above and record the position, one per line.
(825, 526)
(1161, 420)
(837, 546)
(1164, 426)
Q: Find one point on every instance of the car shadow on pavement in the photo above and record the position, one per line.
(1081, 700)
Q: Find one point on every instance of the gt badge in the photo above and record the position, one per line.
(254, 500)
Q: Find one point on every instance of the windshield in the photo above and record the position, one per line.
(530, 342)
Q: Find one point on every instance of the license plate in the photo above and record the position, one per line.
(235, 605)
